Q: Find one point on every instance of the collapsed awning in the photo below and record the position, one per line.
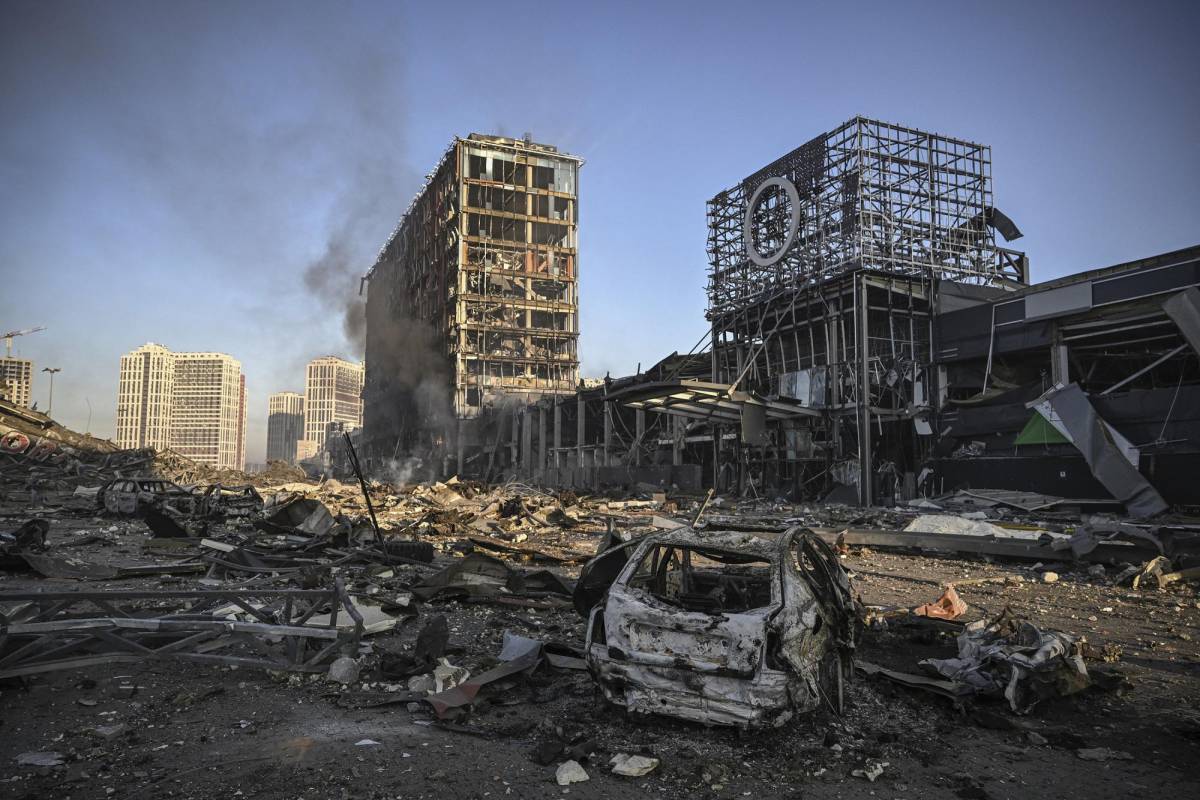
(712, 401)
(1111, 457)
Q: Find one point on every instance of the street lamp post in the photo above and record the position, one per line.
(50, 405)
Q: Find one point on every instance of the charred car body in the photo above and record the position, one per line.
(719, 627)
(230, 501)
(131, 495)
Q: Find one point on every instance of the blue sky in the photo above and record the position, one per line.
(169, 171)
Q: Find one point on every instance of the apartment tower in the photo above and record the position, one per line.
(208, 419)
(16, 380)
(332, 393)
(144, 397)
(285, 425)
(192, 403)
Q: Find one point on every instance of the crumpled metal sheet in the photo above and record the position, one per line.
(1074, 415)
(1184, 310)
(526, 654)
(1014, 658)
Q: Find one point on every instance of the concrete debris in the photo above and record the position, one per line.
(632, 766)
(569, 772)
(40, 759)
(871, 771)
(943, 523)
(1102, 754)
(447, 676)
(343, 670)
(456, 612)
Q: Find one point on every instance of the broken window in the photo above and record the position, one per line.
(543, 177)
(550, 233)
(561, 207)
(694, 579)
(477, 167)
(506, 171)
(485, 225)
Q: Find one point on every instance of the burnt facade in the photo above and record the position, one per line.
(473, 301)
(1086, 386)
(825, 272)
(872, 341)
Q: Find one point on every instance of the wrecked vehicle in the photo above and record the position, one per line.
(230, 501)
(132, 495)
(720, 627)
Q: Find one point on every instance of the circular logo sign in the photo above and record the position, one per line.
(772, 220)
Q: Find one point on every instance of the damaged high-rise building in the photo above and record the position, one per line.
(473, 301)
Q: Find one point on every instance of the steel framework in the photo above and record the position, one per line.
(47, 631)
(824, 269)
(868, 194)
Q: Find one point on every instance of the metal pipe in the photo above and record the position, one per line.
(1145, 369)
(361, 481)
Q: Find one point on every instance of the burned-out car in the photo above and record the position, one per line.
(723, 628)
(132, 495)
(229, 501)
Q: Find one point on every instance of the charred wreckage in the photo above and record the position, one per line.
(870, 341)
(720, 627)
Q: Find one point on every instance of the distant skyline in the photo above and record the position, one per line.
(217, 176)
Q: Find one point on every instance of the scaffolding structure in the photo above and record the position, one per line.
(868, 194)
(824, 272)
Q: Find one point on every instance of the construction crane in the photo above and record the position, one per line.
(8, 337)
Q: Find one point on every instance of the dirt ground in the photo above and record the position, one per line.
(177, 730)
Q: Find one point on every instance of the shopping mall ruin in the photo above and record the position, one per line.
(826, 269)
(872, 339)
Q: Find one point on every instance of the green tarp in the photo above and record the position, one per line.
(1039, 431)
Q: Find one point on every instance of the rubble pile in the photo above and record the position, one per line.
(531, 619)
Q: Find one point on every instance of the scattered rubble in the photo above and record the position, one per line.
(632, 766)
(476, 612)
(570, 772)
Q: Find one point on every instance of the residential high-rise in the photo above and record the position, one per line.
(332, 393)
(474, 298)
(285, 425)
(193, 403)
(16, 380)
(144, 397)
(208, 409)
(241, 436)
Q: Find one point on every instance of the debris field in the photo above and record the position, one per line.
(282, 644)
